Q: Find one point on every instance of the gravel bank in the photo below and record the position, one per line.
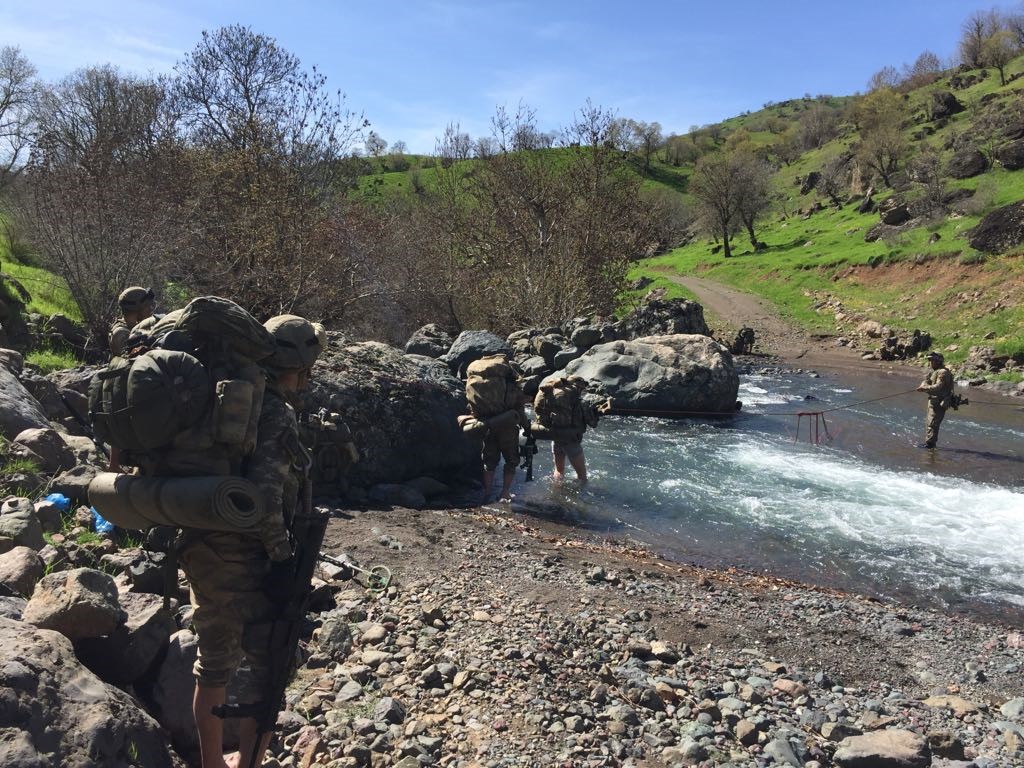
(508, 641)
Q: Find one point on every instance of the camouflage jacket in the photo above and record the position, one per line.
(275, 468)
(938, 384)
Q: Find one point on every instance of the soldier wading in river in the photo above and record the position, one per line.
(938, 385)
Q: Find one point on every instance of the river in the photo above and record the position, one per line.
(865, 510)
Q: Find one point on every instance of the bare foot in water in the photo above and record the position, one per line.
(557, 477)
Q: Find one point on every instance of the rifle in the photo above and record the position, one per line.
(86, 427)
(527, 450)
(307, 528)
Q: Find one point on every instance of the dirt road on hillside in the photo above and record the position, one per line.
(776, 336)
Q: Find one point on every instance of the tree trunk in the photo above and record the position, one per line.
(726, 250)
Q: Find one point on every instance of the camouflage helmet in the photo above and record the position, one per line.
(298, 342)
(135, 298)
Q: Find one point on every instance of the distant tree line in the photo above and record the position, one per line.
(230, 176)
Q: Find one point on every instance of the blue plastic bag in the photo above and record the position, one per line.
(60, 501)
(100, 525)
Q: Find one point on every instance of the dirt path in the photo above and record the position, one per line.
(775, 335)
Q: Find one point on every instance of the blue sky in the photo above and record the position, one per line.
(412, 67)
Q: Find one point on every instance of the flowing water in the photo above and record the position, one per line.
(866, 509)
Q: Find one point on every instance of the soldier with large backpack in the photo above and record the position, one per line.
(136, 304)
(200, 408)
(562, 412)
(496, 402)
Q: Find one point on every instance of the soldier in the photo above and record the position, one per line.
(13, 298)
(233, 576)
(938, 385)
(136, 304)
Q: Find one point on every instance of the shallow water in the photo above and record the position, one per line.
(865, 510)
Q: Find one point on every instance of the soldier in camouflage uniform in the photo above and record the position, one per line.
(939, 387)
(136, 304)
(13, 298)
(232, 575)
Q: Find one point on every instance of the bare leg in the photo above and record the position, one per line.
(579, 463)
(209, 726)
(488, 482)
(507, 479)
(246, 739)
(559, 458)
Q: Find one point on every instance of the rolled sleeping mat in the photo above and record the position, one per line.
(230, 504)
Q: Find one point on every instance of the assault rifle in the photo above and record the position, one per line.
(86, 427)
(292, 579)
(957, 400)
(527, 450)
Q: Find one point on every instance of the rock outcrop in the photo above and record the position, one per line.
(664, 318)
(58, 713)
(18, 409)
(430, 341)
(1000, 230)
(662, 374)
(401, 410)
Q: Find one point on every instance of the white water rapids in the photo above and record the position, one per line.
(868, 511)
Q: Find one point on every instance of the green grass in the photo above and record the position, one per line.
(50, 359)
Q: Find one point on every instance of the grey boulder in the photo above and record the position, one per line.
(670, 375)
(19, 526)
(18, 409)
(430, 341)
(126, 654)
(472, 345)
(56, 455)
(20, 569)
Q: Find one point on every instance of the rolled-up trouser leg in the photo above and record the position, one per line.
(226, 573)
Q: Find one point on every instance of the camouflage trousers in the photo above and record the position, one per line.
(232, 612)
(931, 424)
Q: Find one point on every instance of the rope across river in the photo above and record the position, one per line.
(816, 418)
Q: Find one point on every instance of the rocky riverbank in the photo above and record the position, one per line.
(507, 641)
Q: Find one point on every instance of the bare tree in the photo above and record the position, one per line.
(835, 178)
(998, 50)
(929, 181)
(818, 125)
(755, 193)
(648, 140)
(925, 70)
(100, 199)
(266, 138)
(716, 183)
(454, 145)
(978, 27)
(375, 144)
(17, 89)
(886, 77)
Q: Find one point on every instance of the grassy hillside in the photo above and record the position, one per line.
(50, 294)
(928, 277)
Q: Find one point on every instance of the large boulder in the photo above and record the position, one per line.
(891, 748)
(967, 163)
(49, 446)
(945, 105)
(472, 345)
(1011, 156)
(675, 374)
(58, 713)
(19, 525)
(127, 653)
(430, 341)
(12, 360)
(661, 317)
(1000, 230)
(18, 409)
(20, 569)
(893, 212)
(401, 410)
(80, 603)
(75, 482)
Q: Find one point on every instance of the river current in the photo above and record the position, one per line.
(865, 510)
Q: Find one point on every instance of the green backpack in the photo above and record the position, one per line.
(492, 387)
(195, 372)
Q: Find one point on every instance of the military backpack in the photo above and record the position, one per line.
(559, 404)
(492, 387)
(192, 380)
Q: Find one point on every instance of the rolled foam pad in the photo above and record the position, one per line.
(207, 503)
